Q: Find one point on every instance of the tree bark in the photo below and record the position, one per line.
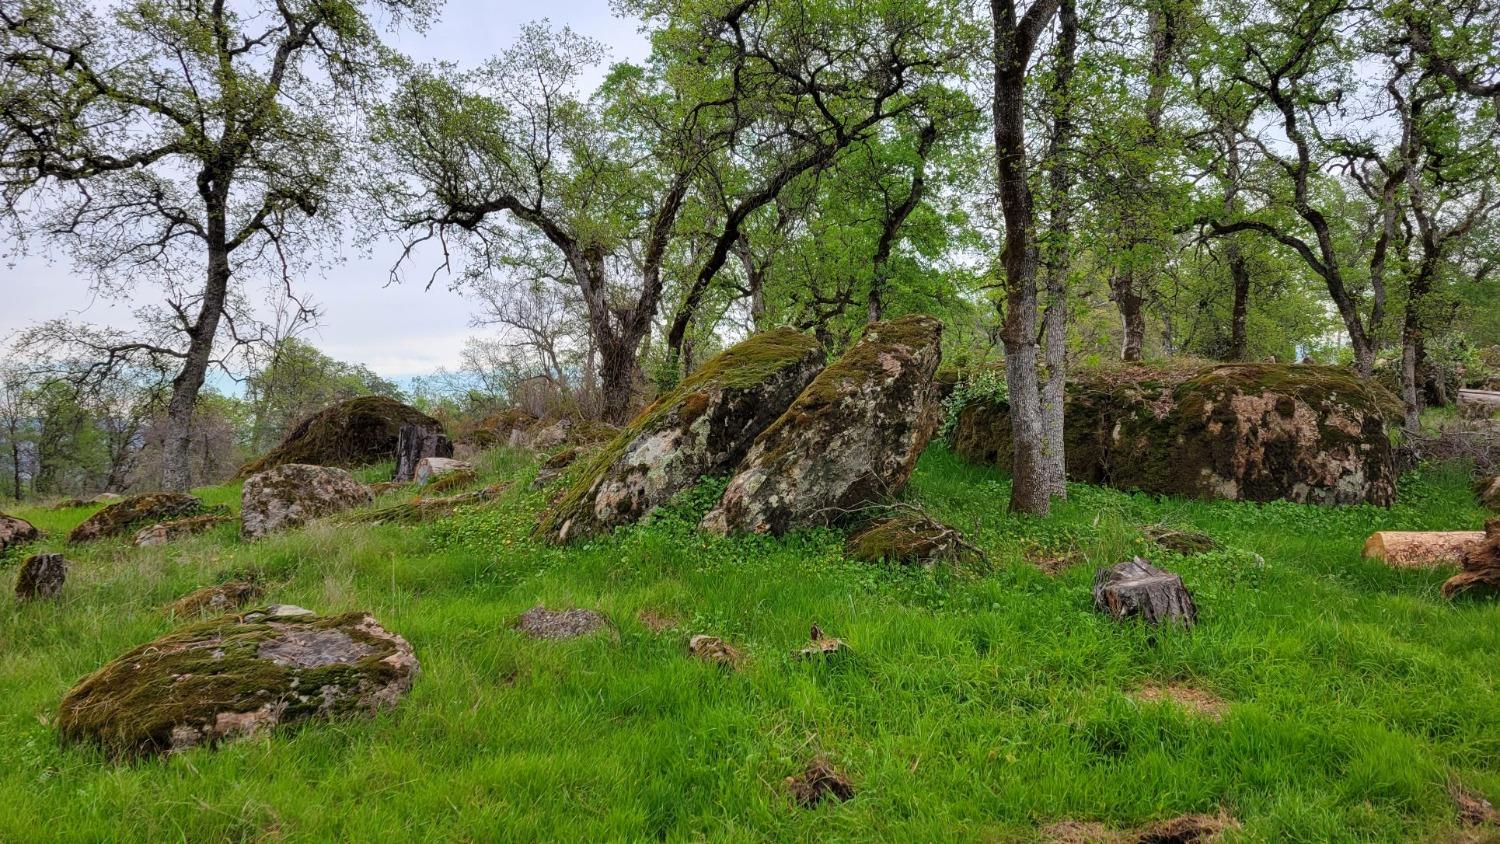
(176, 471)
(1239, 274)
(1059, 245)
(1013, 43)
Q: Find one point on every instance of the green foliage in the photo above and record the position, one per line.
(986, 384)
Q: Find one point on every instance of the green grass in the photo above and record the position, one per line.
(977, 704)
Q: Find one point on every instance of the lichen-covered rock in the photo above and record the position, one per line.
(1240, 432)
(163, 532)
(41, 577)
(431, 468)
(214, 600)
(542, 623)
(356, 432)
(295, 494)
(124, 516)
(702, 427)
(852, 437)
(237, 676)
(15, 530)
(906, 538)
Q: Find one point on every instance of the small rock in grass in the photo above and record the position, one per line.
(15, 530)
(215, 600)
(41, 577)
(542, 623)
(237, 676)
(822, 645)
(715, 650)
(1184, 542)
(430, 469)
(819, 781)
(1136, 588)
(1473, 808)
(163, 532)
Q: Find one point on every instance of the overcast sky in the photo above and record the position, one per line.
(397, 330)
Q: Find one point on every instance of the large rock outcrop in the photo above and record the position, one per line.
(702, 427)
(295, 494)
(852, 437)
(237, 676)
(1241, 432)
(124, 516)
(15, 530)
(356, 432)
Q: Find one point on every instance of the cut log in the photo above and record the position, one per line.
(1420, 549)
(1478, 404)
(1480, 563)
(1136, 588)
(414, 442)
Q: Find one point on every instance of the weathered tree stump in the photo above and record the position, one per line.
(1480, 564)
(41, 577)
(1137, 588)
(1420, 549)
(414, 442)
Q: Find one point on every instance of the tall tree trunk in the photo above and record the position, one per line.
(1013, 45)
(1239, 274)
(176, 469)
(1132, 314)
(1059, 246)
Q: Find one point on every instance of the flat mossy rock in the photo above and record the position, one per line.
(162, 533)
(237, 676)
(15, 530)
(1239, 432)
(905, 538)
(295, 494)
(125, 515)
(356, 432)
(702, 427)
(851, 438)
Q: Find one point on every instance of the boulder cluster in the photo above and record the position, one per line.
(803, 444)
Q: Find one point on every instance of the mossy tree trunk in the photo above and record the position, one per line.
(1058, 247)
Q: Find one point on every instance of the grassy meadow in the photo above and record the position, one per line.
(978, 702)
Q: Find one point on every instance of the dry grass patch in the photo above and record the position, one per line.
(1196, 701)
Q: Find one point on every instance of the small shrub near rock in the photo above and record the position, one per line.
(237, 676)
(41, 577)
(126, 515)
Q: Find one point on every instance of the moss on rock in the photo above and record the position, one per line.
(124, 516)
(356, 432)
(1253, 432)
(905, 538)
(236, 676)
(701, 427)
(852, 437)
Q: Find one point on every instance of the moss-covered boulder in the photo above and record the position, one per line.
(15, 530)
(1240, 432)
(237, 676)
(356, 432)
(162, 533)
(906, 538)
(702, 427)
(295, 494)
(851, 438)
(127, 514)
